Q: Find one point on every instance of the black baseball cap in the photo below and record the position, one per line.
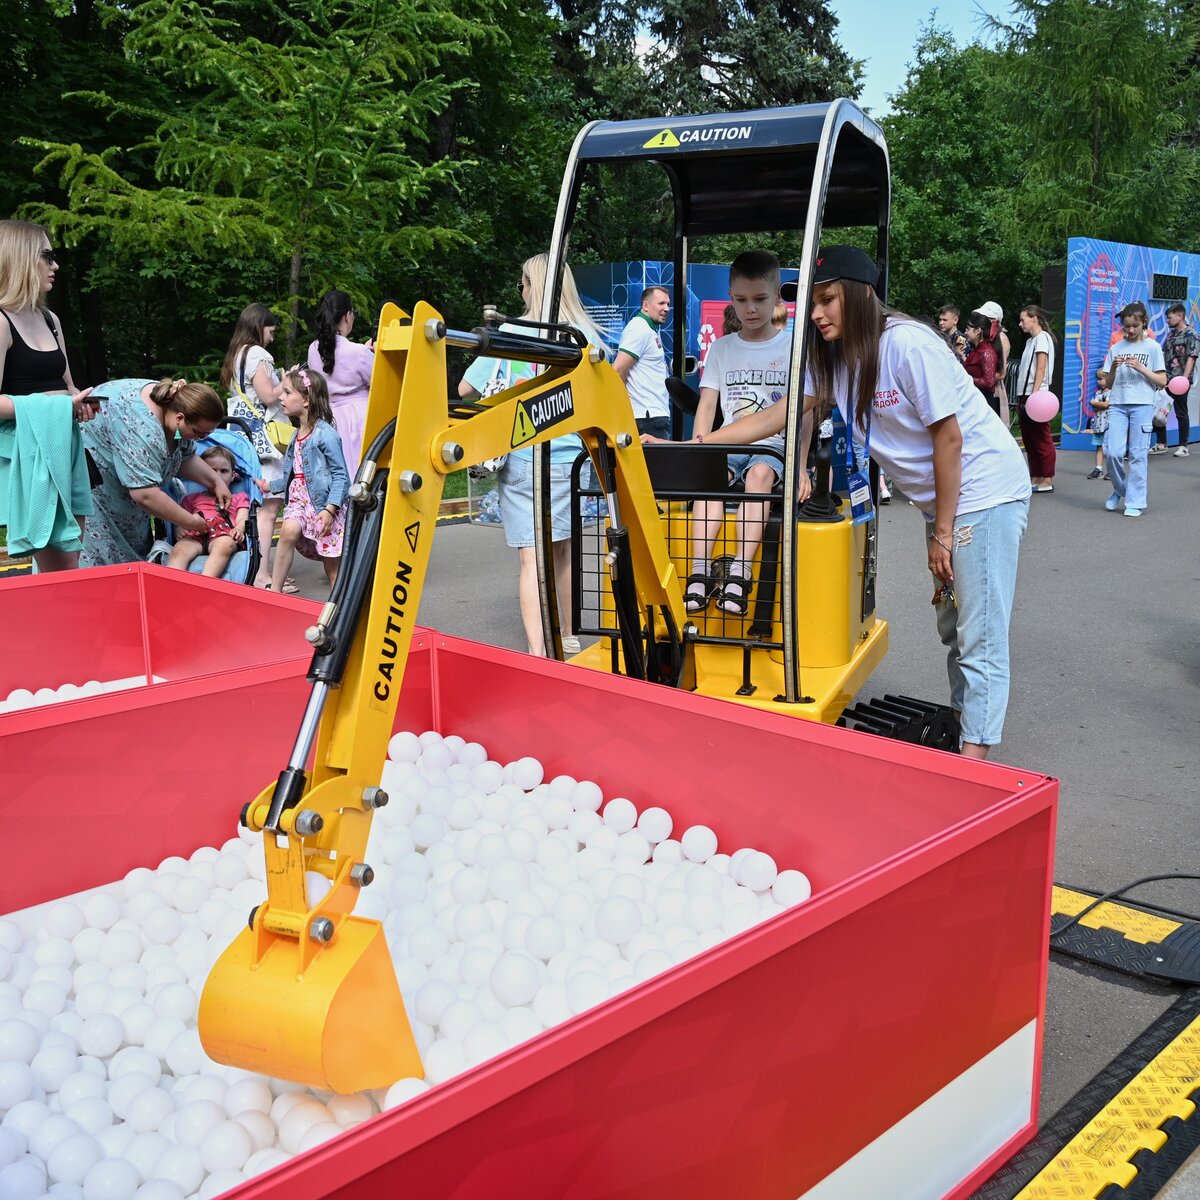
(846, 262)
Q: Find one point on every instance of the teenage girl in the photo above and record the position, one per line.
(315, 479)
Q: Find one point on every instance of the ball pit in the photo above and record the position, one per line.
(749, 1017)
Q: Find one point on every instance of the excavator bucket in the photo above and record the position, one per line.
(339, 1025)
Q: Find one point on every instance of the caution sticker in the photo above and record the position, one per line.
(661, 140)
(541, 412)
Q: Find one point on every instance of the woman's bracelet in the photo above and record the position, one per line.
(933, 537)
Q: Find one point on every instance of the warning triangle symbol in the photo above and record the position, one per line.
(661, 140)
(523, 427)
(411, 533)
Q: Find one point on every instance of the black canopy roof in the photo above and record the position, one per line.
(753, 172)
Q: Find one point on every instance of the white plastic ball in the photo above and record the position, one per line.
(162, 927)
(618, 919)
(226, 1146)
(260, 1127)
(403, 1090)
(111, 1179)
(404, 747)
(757, 871)
(64, 920)
(350, 1110)
(102, 1035)
(527, 773)
(585, 990)
(699, 843)
(655, 825)
(101, 910)
(73, 1158)
(544, 938)
(443, 1060)
(514, 979)
(17, 1084)
(790, 888)
(248, 1095)
(19, 1041)
(160, 1189)
(587, 796)
(24, 1179)
(181, 1165)
(91, 1114)
(620, 814)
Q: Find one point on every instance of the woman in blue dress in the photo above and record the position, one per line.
(142, 437)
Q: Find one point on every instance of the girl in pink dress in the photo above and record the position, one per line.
(315, 479)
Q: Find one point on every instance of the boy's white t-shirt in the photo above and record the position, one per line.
(921, 382)
(748, 376)
(1130, 386)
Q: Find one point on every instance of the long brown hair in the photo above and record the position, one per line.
(247, 332)
(1042, 317)
(864, 318)
(311, 385)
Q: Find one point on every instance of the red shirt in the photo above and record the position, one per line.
(981, 366)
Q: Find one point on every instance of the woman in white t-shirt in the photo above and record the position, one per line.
(900, 387)
(1134, 369)
(1034, 375)
(253, 387)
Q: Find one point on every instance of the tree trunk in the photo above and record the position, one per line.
(293, 303)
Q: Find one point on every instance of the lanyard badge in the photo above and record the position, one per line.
(861, 508)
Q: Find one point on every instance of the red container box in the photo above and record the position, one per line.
(98, 785)
(882, 1039)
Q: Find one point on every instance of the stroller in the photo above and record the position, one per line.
(234, 435)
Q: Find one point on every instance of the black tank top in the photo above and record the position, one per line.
(28, 371)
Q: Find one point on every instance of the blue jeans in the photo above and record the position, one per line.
(975, 633)
(1129, 425)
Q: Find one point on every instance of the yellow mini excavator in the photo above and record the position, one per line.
(308, 992)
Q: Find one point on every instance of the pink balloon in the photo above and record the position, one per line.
(1042, 406)
(1178, 386)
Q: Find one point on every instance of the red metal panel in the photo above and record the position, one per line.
(753, 1070)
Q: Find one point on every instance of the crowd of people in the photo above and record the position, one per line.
(82, 472)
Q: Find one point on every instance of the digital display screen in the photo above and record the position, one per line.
(1169, 287)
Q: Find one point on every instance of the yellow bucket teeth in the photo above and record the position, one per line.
(340, 1026)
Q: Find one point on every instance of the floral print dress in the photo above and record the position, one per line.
(313, 543)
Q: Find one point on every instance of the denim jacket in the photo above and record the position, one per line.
(325, 473)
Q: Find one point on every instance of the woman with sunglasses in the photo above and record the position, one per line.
(33, 364)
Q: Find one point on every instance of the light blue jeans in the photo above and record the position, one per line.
(1129, 425)
(975, 630)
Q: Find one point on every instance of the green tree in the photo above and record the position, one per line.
(955, 165)
(744, 54)
(288, 149)
(1106, 99)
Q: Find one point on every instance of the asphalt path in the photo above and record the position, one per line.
(1106, 661)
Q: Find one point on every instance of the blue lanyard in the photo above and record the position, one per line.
(851, 465)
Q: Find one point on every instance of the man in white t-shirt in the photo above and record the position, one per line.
(642, 364)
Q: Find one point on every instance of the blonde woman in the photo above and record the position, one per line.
(516, 484)
(33, 362)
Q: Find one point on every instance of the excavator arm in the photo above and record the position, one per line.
(307, 992)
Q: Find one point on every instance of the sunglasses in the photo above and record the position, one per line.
(48, 256)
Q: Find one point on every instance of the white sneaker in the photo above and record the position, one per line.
(1182, 452)
(570, 646)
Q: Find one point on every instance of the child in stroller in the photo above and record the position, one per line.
(226, 526)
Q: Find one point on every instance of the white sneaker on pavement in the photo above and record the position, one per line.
(1182, 452)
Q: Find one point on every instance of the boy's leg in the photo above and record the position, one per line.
(707, 516)
(562, 584)
(182, 553)
(220, 551)
(752, 518)
(289, 535)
